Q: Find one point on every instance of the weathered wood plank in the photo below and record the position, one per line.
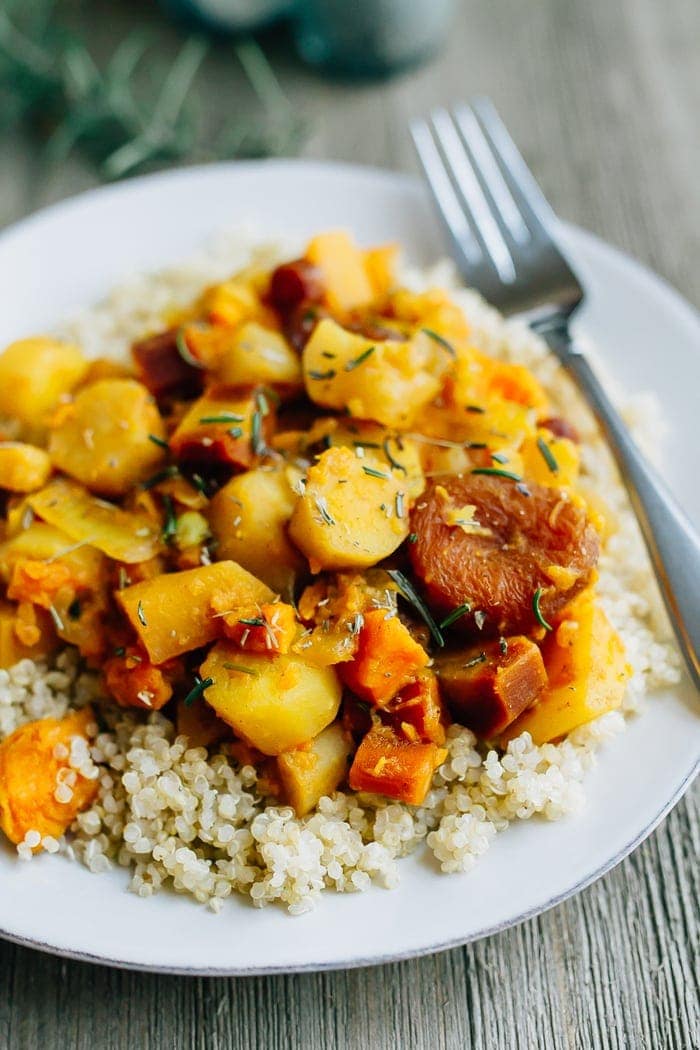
(603, 97)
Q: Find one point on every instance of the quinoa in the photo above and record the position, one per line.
(201, 824)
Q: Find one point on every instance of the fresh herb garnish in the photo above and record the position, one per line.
(200, 484)
(499, 457)
(497, 472)
(356, 624)
(413, 598)
(223, 417)
(376, 473)
(399, 503)
(503, 645)
(262, 402)
(256, 438)
(58, 622)
(480, 659)
(322, 508)
(197, 690)
(360, 359)
(536, 598)
(184, 350)
(522, 488)
(441, 340)
(158, 441)
(252, 621)
(547, 455)
(163, 475)
(455, 615)
(394, 462)
(366, 444)
(120, 651)
(312, 374)
(141, 614)
(475, 408)
(412, 537)
(242, 669)
(170, 523)
(480, 618)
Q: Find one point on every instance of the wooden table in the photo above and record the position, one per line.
(604, 98)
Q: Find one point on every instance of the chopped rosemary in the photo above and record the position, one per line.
(413, 598)
(499, 457)
(158, 441)
(547, 455)
(199, 483)
(197, 690)
(120, 651)
(262, 403)
(312, 374)
(58, 622)
(356, 624)
(360, 359)
(522, 488)
(395, 465)
(223, 417)
(366, 444)
(480, 618)
(184, 350)
(376, 473)
(503, 645)
(480, 659)
(163, 475)
(256, 439)
(323, 510)
(242, 669)
(235, 432)
(538, 612)
(141, 614)
(475, 408)
(441, 340)
(400, 504)
(170, 523)
(412, 537)
(455, 615)
(253, 621)
(324, 353)
(74, 609)
(497, 472)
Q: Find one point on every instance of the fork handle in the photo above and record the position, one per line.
(672, 542)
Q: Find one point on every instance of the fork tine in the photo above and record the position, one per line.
(446, 199)
(459, 164)
(518, 178)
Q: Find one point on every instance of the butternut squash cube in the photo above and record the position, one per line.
(393, 766)
(387, 658)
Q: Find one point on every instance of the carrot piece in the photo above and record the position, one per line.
(134, 681)
(417, 711)
(267, 628)
(397, 768)
(387, 658)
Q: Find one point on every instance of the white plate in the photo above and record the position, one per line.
(71, 254)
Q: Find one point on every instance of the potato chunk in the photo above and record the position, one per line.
(587, 673)
(38, 790)
(343, 271)
(34, 374)
(102, 438)
(273, 702)
(177, 612)
(396, 453)
(126, 536)
(250, 355)
(389, 381)
(352, 513)
(249, 518)
(315, 769)
(487, 687)
(23, 468)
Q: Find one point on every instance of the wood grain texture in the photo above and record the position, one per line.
(603, 97)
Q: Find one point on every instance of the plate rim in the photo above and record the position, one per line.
(412, 182)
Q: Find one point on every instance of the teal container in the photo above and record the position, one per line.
(370, 37)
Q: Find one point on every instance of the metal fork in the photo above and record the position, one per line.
(502, 232)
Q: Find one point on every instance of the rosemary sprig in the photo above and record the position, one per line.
(536, 598)
(413, 598)
(197, 690)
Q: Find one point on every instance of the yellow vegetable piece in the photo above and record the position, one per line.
(38, 791)
(254, 354)
(249, 518)
(102, 438)
(587, 672)
(176, 612)
(550, 460)
(34, 375)
(232, 302)
(309, 772)
(380, 265)
(343, 270)
(44, 542)
(23, 468)
(389, 381)
(353, 513)
(273, 702)
(396, 453)
(123, 535)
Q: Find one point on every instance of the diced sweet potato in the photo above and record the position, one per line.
(417, 711)
(134, 682)
(315, 769)
(163, 370)
(224, 427)
(393, 766)
(487, 687)
(387, 658)
(23, 468)
(38, 790)
(587, 672)
(269, 627)
(25, 632)
(34, 374)
(103, 439)
(177, 612)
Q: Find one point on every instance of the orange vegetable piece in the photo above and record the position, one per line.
(417, 711)
(387, 658)
(34, 771)
(389, 765)
(25, 631)
(268, 628)
(38, 581)
(135, 682)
